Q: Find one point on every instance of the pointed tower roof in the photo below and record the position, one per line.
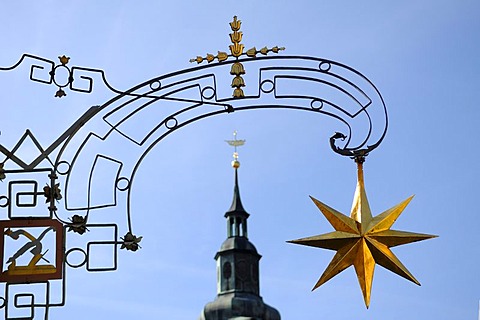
(236, 209)
(237, 234)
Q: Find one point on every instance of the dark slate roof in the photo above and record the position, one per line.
(236, 209)
(240, 244)
(239, 306)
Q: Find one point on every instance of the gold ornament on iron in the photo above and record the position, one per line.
(362, 240)
(64, 59)
(236, 50)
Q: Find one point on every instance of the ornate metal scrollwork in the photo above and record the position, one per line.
(66, 173)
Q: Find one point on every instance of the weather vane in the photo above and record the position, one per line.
(235, 143)
(236, 50)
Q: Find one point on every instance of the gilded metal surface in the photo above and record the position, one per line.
(19, 232)
(236, 50)
(235, 143)
(362, 240)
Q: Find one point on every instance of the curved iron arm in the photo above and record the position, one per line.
(197, 90)
(289, 82)
(335, 73)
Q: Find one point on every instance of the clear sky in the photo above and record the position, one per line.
(423, 56)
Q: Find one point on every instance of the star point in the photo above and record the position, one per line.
(362, 240)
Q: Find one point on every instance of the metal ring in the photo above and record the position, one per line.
(169, 119)
(205, 92)
(117, 184)
(63, 162)
(155, 85)
(69, 79)
(264, 86)
(322, 67)
(79, 264)
(314, 101)
(7, 201)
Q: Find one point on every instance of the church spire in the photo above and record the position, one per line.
(238, 283)
(236, 215)
(236, 201)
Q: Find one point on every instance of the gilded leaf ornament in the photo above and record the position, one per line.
(236, 51)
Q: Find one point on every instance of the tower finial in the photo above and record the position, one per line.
(235, 143)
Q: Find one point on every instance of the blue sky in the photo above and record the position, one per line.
(421, 55)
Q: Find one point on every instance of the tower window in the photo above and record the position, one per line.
(227, 270)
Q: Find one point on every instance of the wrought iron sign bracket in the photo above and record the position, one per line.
(316, 85)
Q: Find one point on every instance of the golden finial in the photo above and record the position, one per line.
(64, 59)
(235, 24)
(235, 143)
(236, 50)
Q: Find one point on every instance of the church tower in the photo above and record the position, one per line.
(238, 286)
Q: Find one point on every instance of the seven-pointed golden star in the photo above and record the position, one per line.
(362, 240)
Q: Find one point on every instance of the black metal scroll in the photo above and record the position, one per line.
(67, 175)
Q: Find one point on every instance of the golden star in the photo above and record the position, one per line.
(362, 240)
